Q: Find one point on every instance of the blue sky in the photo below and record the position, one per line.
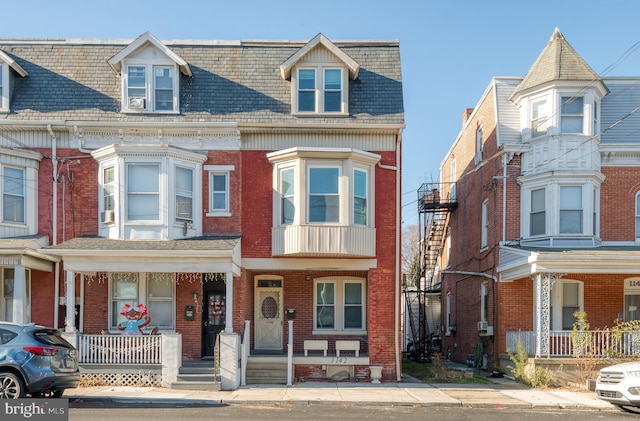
(450, 50)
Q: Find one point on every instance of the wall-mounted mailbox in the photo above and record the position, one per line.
(189, 313)
(291, 313)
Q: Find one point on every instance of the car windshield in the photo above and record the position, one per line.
(51, 337)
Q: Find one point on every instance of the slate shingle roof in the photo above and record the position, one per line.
(232, 82)
(557, 62)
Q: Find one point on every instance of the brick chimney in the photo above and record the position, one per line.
(465, 115)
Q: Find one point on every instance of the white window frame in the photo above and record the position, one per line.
(566, 208)
(539, 117)
(360, 197)
(538, 211)
(219, 171)
(320, 89)
(567, 116)
(4, 87)
(484, 302)
(479, 140)
(558, 303)
(638, 217)
(150, 88)
(13, 194)
(142, 280)
(143, 193)
(8, 298)
(186, 193)
(337, 195)
(287, 197)
(484, 233)
(339, 305)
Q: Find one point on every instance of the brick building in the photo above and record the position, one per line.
(215, 182)
(542, 187)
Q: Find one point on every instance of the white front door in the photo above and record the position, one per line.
(269, 315)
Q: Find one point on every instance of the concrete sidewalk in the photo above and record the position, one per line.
(499, 395)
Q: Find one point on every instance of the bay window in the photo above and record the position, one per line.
(539, 116)
(360, 193)
(287, 187)
(538, 214)
(570, 209)
(184, 194)
(571, 114)
(13, 195)
(324, 198)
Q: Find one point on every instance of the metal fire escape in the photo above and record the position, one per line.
(435, 203)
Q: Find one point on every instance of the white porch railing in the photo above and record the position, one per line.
(594, 343)
(120, 349)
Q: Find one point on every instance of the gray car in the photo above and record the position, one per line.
(35, 361)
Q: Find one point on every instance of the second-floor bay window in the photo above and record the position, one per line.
(149, 196)
(538, 220)
(324, 193)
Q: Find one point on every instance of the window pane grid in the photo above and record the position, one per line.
(13, 197)
(219, 192)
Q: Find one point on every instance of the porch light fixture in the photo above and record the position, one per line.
(308, 277)
(195, 295)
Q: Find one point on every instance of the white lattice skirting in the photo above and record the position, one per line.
(141, 378)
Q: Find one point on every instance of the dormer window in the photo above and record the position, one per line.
(319, 73)
(151, 88)
(7, 64)
(149, 72)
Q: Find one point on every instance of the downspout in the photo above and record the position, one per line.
(54, 224)
(504, 198)
(397, 258)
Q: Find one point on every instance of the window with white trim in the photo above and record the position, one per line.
(219, 189)
(478, 156)
(567, 297)
(539, 116)
(7, 292)
(447, 321)
(360, 193)
(637, 216)
(572, 114)
(143, 192)
(484, 302)
(4, 91)
(320, 90)
(538, 216)
(150, 88)
(108, 194)
(184, 194)
(155, 290)
(571, 210)
(484, 234)
(340, 304)
(324, 194)
(287, 197)
(13, 195)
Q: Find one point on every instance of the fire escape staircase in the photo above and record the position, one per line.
(436, 201)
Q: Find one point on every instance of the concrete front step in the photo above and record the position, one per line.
(197, 375)
(266, 372)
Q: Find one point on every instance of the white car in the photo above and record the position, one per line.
(620, 384)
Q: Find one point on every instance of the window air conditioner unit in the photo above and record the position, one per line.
(136, 102)
(483, 325)
(108, 217)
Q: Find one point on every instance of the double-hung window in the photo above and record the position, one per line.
(143, 192)
(287, 196)
(219, 189)
(320, 90)
(539, 118)
(108, 195)
(339, 305)
(324, 194)
(538, 220)
(155, 290)
(151, 88)
(13, 195)
(479, 139)
(184, 194)
(570, 209)
(360, 194)
(484, 234)
(571, 114)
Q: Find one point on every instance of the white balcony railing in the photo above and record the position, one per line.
(120, 349)
(592, 343)
(324, 240)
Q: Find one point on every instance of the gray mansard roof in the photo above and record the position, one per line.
(232, 82)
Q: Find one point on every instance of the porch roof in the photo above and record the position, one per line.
(25, 251)
(199, 254)
(519, 262)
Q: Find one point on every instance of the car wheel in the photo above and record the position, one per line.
(11, 386)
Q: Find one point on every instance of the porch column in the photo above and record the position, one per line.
(543, 283)
(228, 324)
(20, 296)
(70, 300)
